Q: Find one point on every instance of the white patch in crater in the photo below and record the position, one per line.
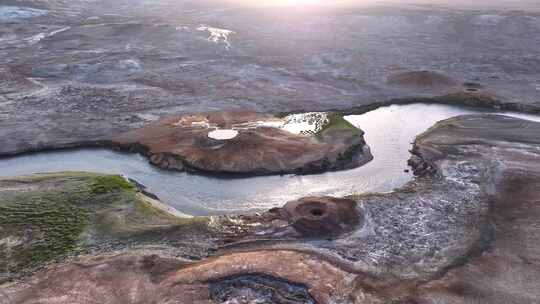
(217, 35)
(223, 134)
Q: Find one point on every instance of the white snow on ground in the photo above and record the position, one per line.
(37, 38)
(312, 122)
(217, 35)
(306, 123)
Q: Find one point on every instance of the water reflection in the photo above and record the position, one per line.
(389, 132)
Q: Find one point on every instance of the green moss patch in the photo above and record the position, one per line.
(110, 183)
(42, 227)
(336, 121)
(45, 223)
(47, 217)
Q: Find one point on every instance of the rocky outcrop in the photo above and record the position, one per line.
(260, 144)
(320, 216)
(508, 153)
(143, 277)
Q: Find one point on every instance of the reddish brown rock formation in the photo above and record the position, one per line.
(319, 216)
(182, 142)
(421, 79)
(142, 278)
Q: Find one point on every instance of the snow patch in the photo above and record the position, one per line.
(37, 38)
(305, 123)
(217, 35)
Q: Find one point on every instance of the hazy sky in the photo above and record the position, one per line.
(466, 4)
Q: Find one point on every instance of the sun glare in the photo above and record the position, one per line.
(298, 3)
(304, 3)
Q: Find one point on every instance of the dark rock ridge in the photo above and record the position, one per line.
(465, 230)
(260, 147)
(259, 289)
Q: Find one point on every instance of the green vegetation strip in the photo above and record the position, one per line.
(41, 227)
(336, 121)
(44, 219)
(110, 183)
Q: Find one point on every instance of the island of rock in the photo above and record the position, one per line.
(249, 143)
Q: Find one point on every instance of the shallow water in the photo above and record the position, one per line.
(389, 132)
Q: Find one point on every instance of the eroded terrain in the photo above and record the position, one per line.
(210, 86)
(465, 226)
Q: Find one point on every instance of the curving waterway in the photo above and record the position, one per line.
(389, 132)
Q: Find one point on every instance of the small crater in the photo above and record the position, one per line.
(322, 216)
(317, 212)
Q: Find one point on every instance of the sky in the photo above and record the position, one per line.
(465, 4)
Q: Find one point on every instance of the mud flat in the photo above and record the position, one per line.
(465, 226)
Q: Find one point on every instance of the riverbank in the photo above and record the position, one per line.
(460, 221)
(210, 195)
